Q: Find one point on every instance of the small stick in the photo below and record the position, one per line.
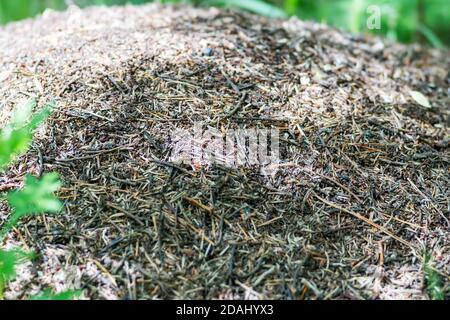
(366, 220)
(198, 204)
(125, 212)
(235, 87)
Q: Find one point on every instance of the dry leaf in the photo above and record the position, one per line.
(420, 99)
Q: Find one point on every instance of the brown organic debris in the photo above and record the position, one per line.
(364, 184)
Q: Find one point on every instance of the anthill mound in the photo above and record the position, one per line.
(362, 187)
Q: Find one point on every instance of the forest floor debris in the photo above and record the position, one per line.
(363, 187)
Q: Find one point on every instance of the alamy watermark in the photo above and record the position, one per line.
(374, 17)
(205, 146)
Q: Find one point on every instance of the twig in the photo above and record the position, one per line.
(366, 220)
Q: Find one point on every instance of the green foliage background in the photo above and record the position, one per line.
(36, 197)
(425, 21)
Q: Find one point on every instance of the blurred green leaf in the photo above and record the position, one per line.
(16, 136)
(430, 36)
(9, 260)
(433, 280)
(8, 264)
(37, 197)
(291, 7)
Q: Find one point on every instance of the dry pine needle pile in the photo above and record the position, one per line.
(362, 190)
